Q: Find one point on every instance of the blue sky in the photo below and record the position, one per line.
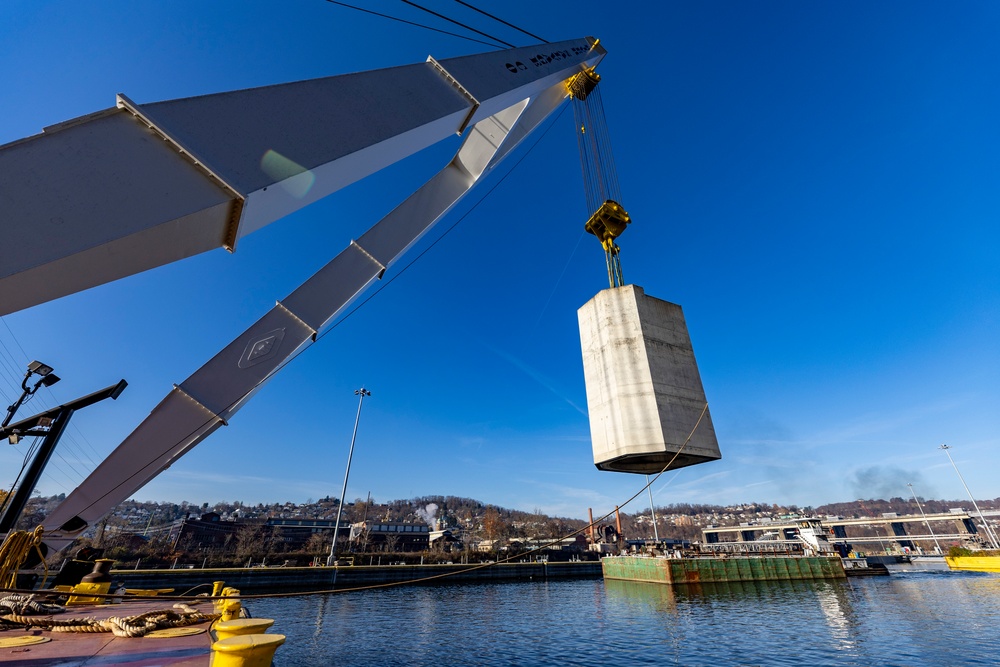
(815, 183)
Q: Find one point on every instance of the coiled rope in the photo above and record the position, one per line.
(14, 552)
(20, 603)
(120, 626)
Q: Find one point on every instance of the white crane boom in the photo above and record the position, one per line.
(136, 186)
(504, 95)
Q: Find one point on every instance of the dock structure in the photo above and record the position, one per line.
(891, 528)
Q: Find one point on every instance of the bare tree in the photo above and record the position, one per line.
(319, 543)
(249, 540)
(276, 541)
(494, 527)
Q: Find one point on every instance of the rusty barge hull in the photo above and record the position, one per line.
(721, 570)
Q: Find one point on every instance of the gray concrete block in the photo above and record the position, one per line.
(644, 392)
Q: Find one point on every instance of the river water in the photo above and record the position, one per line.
(913, 617)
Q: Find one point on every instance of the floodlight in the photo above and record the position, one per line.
(38, 368)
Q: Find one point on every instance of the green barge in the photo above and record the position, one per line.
(721, 569)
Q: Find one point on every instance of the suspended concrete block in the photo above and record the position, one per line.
(644, 393)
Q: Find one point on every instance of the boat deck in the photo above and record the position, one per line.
(67, 649)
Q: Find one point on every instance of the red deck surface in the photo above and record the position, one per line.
(96, 649)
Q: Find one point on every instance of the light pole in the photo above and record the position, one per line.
(46, 378)
(652, 512)
(986, 526)
(340, 508)
(928, 523)
(50, 424)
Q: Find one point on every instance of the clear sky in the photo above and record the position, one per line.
(816, 183)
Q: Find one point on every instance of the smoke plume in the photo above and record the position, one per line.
(889, 482)
(428, 514)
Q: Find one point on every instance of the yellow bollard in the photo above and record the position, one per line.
(246, 650)
(229, 608)
(241, 626)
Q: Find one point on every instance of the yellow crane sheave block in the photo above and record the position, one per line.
(608, 222)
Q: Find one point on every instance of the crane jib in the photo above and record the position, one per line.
(479, 90)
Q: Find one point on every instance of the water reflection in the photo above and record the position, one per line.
(711, 593)
(320, 613)
(918, 619)
(839, 614)
(783, 611)
(659, 597)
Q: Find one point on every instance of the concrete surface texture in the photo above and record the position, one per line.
(644, 393)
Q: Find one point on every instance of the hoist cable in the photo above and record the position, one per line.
(608, 161)
(600, 174)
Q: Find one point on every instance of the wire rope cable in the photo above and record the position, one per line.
(413, 23)
(600, 176)
(458, 23)
(497, 18)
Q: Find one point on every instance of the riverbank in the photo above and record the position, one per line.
(281, 579)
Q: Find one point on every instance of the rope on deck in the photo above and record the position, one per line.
(120, 626)
(14, 552)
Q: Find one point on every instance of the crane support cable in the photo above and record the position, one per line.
(399, 20)
(459, 23)
(600, 178)
(497, 18)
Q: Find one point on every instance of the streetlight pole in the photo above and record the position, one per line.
(46, 378)
(986, 526)
(928, 523)
(652, 512)
(340, 508)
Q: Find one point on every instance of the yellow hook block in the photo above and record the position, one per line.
(608, 223)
